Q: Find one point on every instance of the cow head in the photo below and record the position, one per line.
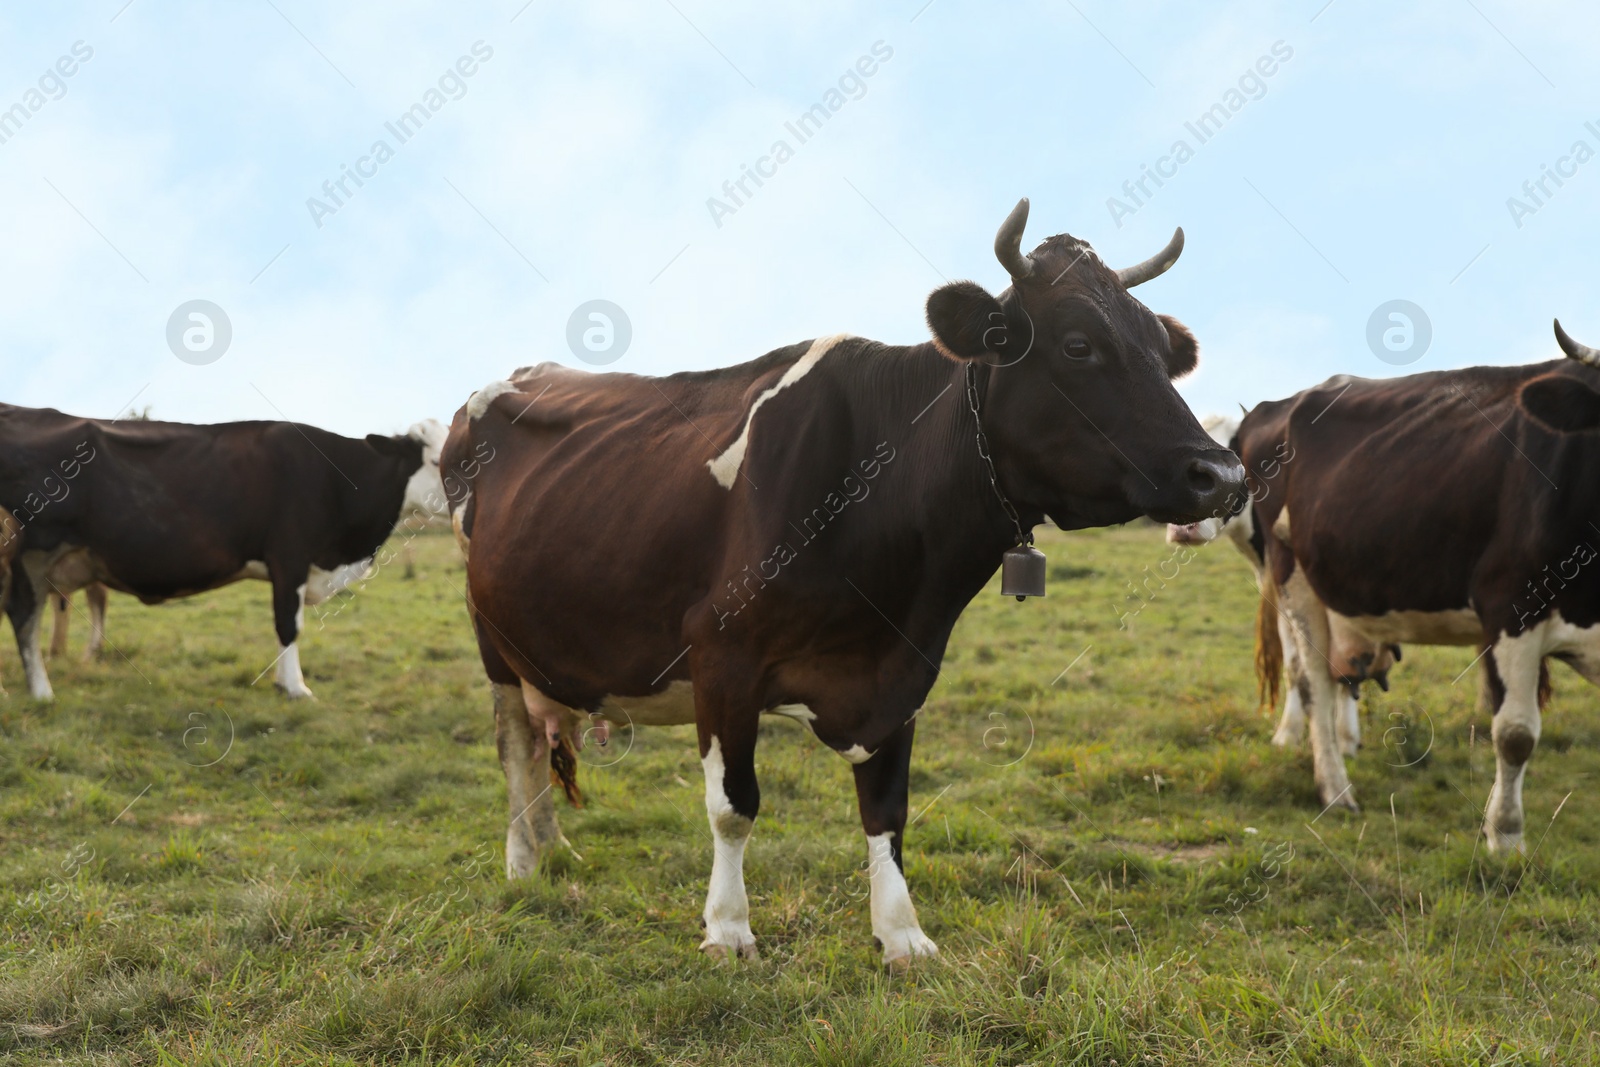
(425, 490)
(1080, 406)
(1562, 402)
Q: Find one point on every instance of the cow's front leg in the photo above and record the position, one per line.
(882, 783)
(1514, 687)
(26, 605)
(1308, 619)
(727, 753)
(288, 615)
(525, 757)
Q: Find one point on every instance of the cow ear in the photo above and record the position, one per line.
(966, 321)
(1183, 351)
(1564, 404)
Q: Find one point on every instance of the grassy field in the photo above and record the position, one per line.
(1117, 865)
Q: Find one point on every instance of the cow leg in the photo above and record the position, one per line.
(26, 608)
(1292, 726)
(525, 758)
(288, 613)
(1515, 684)
(1349, 722)
(881, 787)
(1308, 618)
(727, 754)
(63, 613)
(96, 596)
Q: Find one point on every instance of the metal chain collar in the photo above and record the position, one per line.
(1023, 537)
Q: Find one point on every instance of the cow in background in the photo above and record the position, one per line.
(1448, 508)
(1354, 658)
(424, 503)
(162, 509)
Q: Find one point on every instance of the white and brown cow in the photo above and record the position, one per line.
(1354, 658)
(161, 510)
(1449, 508)
(798, 534)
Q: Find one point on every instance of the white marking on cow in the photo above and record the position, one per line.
(525, 758)
(725, 468)
(1309, 624)
(457, 517)
(288, 676)
(324, 585)
(1516, 660)
(1195, 533)
(1458, 627)
(1348, 723)
(797, 712)
(856, 754)
(727, 913)
(255, 569)
(35, 566)
(480, 401)
(894, 917)
(425, 488)
(1280, 526)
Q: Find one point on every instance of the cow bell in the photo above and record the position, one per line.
(1022, 572)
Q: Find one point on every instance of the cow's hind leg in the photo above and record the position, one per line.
(95, 595)
(881, 789)
(733, 798)
(1514, 688)
(1349, 721)
(531, 828)
(63, 617)
(26, 608)
(288, 615)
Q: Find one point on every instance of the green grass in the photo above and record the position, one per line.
(323, 882)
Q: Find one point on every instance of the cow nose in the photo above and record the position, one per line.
(1214, 481)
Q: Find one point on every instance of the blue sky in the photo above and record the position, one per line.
(575, 163)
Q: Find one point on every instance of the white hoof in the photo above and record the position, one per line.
(522, 859)
(730, 941)
(297, 693)
(1503, 844)
(902, 949)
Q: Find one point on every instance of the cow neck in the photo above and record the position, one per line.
(974, 402)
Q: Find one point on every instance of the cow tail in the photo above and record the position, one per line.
(564, 771)
(1269, 645)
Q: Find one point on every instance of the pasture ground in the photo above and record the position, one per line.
(1117, 865)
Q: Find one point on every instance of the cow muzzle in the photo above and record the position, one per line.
(1208, 487)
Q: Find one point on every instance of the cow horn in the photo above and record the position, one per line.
(1589, 357)
(1008, 243)
(1156, 265)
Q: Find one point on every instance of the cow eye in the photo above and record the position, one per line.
(1078, 348)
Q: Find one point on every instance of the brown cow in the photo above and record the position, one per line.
(798, 534)
(1453, 507)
